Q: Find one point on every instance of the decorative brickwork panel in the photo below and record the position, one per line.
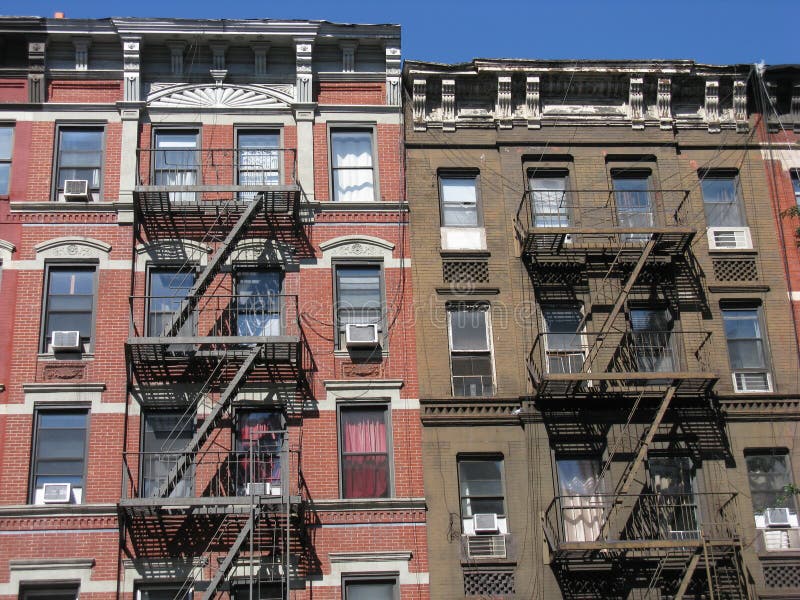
(489, 583)
(460, 271)
(739, 269)
(782, 576)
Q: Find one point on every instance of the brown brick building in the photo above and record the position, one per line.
(207, 384)
(608, 366)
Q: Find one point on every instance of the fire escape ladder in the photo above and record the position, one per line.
(216, 262)
(212, 420)
(233, 552)
(619, 304)
(724, 570)
(688, 573)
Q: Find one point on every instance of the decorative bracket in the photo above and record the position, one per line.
(533, 105)
(260, 52)
(664, 102)
(81, 45)
(348, 48)
(36, 61)
(131, 60)
(712, 105)
(419, 103)
(503, 109)
(449, 104)
(392, 54)
(303, 48)
(218, 55)
(636, 100)
(740, 105)
(176, 50)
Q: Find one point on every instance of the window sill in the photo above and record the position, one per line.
(370, 504)
(360, 355)
(50, 206)
(35, 510)
(73, 356)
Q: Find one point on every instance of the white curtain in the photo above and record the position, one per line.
(581, 503)
(352, 166)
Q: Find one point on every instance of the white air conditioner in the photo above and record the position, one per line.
(752, 382)
(485, 523)
(76, 190)
(729, 238)
(66, 340)
(358, 335)
(56, 493)
(257, 489)
(776, 517)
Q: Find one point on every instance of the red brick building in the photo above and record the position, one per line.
(207, 375)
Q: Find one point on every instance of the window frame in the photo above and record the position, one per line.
(56, 192)
(383, 335)
(153, 267)
(236, 272)
(489, 352)
(372, 128)
(792, 503)
(44, 343)
(482, 457)
(378, 405)
(42, 590)
(724, 174)
(174, 586)
(178, 128)
(190, 475)
(765, 347)
(256, 129)
(58, 409)
(8, 161)
(570, 196)
(463, 174)
(372, 577)
(580, 336)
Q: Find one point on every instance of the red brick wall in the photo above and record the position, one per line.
(351, 93)
(84, 92)
(13, 90)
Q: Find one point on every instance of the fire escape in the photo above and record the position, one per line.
(615, 377)
(201, 510)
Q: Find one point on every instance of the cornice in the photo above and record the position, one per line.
(470, 411)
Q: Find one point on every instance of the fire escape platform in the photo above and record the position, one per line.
(568, 242)
(592, 385)
(204, 504)
(275, 349)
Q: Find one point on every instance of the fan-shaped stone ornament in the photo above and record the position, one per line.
(221, 96)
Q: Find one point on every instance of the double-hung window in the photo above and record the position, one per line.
(258, 303)
(746, 349)
(49, 591)
(59, 453)
(470, 350)
(459, 199)
(359, 299)
(364, 452)
(727, 226)
(176, 161)
(634, 204)
(564, 343)
(769, 473)
(258, 160)
(6, 146)
(548, 190)
(651, 340)
(480, 484)
(167, 290)
(165, 435)
(69, 307)
(258, 446)
(370, 587)
(352, 165)
(80, 157)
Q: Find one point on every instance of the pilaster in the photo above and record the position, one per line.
(419, 104)
(36, 64)
(712, 105)
(304, 116)
(636, 102)
(392, 53)
(131, 60)
(740, 104)
(348, 48)
(795, 106)
(664, 102)
(260, 53)
(81, 45)
(176, 50)
(305, 83)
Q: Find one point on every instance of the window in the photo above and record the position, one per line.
(582, 503)
(721, 200)
(563, 342)
(549, 199)
(459, 197)
(164, 592)
(746, 351)
(352, 165)
(59, 452)
(795, 185)
(364, 452)
(49, 591)
(370, 587)
(258, 446)
(80, 156)
(167, 289)
(480, 484)
(6, 146)
(769, 472)
(165, 435)
(634, 204)
(176, 161)
(258, 160)
(262, 590)
(651, 340)
(258, 303)
(470, 351)
(672, 479)
(359, 298)
(69, 305)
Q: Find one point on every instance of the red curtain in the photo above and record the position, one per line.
(365, 462)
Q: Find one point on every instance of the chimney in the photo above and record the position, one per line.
(58, 15)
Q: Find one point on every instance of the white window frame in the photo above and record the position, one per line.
(369, 128)
(488, 351)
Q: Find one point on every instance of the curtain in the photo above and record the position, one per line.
(352, 166)
(258, 446)
(581, 503)
(177, 162)
(652, 340)
(365, 465)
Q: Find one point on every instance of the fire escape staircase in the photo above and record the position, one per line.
(233, 552)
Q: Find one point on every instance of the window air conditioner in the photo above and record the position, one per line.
(257, 489)
(66, 340)
(56, 493)
(485, 523)
(358, 335)
(76, 190)
(752, 382)
(776, 517)
(486, 546)
(729, 238)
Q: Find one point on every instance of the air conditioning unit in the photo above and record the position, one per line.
(485, 523)
(729, 238)
(65, 340)
(486, 546)
(776, 517)
(76, 190)
(752, 382)
(358, 335)
(257, 489)
(56, 493)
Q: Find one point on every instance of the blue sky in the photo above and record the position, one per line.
(718, 31)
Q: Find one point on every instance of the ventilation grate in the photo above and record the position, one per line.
(462, 271)
(737, 269)
(782, 576)
(489, 583)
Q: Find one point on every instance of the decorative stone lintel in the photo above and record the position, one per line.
(348, 48)
(419, 102)
(533, 105)
(636, 101)
(81, 45)
(664, 102)
(503, 108)
(176, 50)
(260, 52)
(340, 557)
(449, 104)
(740, 105)
(712, 105)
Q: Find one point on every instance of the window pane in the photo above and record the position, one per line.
(369, 591)
(549, 201)
(352, 148)
(364, 430)
(358, 287)
(768, 476)
(5, 169)
(353, 185)
(71, 281)
(480, 477)
(468, 330)
(459, 202)
(60, 448)
(562, 328)
(741, 324)
(721, 202)
(365, 459)
(6, 142)
(48, 420)
(62, 443)
(579, 477)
